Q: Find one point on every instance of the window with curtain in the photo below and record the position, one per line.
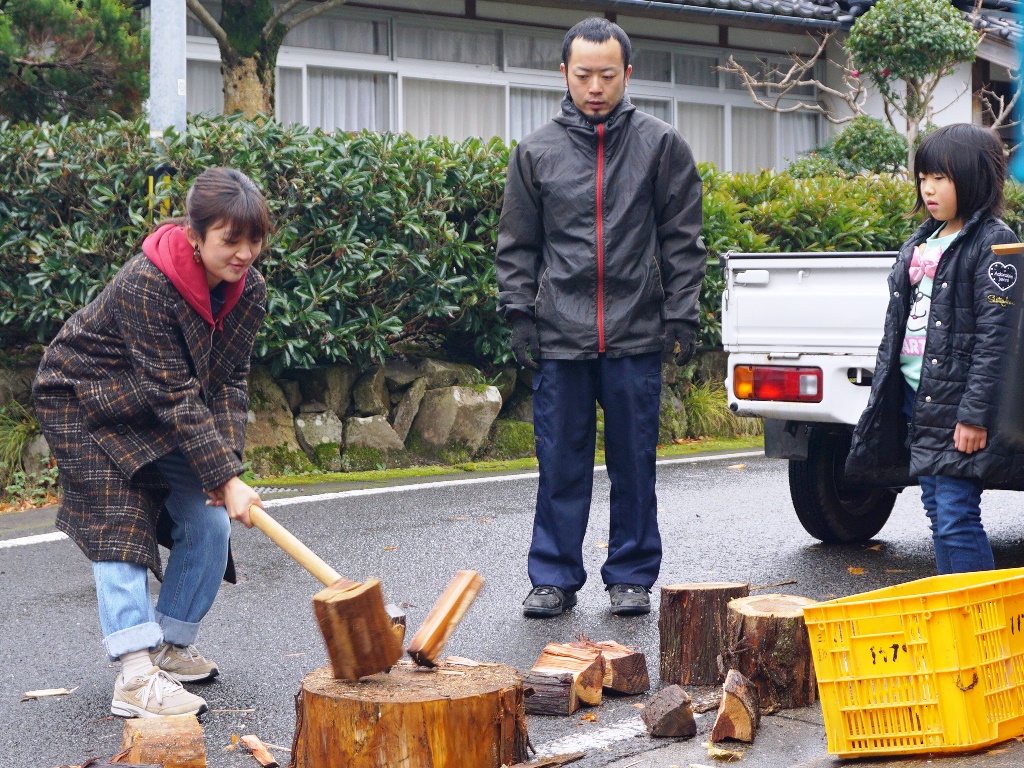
(456, 110)
(437, 44)
(204, 88)
(529, 52)
(340, 100)
(703, 127)
(659, 108)
(753, 139)
(652, 65)
(332, 34)
(288, 95)
(798, 133)
(530, 108)
(696, 70)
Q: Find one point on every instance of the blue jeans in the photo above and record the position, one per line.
(195, 568)
(566, 393)
(953, 506)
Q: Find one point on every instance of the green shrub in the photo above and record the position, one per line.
(816, 163)
(869, 144)
(17, 427)
(708, 414)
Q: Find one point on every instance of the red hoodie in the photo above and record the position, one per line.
(171, 251)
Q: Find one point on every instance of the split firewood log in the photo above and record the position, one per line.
(625, 669)
(428, 642)
(669, 713)
(175, 741)
(563, 678)
(739, 714)
(259, 751)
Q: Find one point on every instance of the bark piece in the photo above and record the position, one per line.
(358, 633)
(669, 713)
(173, 742)
(739, 714)
(411, 717)
(625, 669)
(555, 761)
(428, 642)
(692, 628)
(259, 751)
(767, 642)
(563, 678)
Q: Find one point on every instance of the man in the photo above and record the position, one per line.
(599, 264)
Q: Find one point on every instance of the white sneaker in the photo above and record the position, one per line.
(154, 694)
(184, 663)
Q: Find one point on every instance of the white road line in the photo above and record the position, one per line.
(38, 539)
(56, 536)
(596, 739)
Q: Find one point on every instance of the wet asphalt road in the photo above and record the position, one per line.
(717, 523)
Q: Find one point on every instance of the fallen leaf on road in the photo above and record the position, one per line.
(602, 545)
(486, 520)
(639, 706)
(876, 548)
(896, 570)
(233, 745)
(737, 466)
(855, 570)
(590, 717)
(725, 755)
(390, 549)
(44, 692)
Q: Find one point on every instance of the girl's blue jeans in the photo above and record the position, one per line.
(953, 506)
(195, 568)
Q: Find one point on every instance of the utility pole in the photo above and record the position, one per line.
(166, 66)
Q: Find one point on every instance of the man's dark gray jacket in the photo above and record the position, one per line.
(599, 237)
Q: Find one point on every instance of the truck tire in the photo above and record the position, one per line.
(827, 507)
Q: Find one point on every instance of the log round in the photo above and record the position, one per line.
(446, 717)
(692, 624)
(768, 643)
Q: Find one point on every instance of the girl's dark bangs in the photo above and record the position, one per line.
(247, 219)
(934, 157)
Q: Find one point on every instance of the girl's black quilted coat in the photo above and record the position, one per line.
(971, 327)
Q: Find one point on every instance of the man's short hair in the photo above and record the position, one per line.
(597, 29)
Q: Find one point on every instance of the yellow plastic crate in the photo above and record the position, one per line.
(934, 665)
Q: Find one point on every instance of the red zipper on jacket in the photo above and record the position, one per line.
(600, 238)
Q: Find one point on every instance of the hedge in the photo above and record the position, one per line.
(385, 243)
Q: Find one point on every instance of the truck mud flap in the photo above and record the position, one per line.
(786, 439)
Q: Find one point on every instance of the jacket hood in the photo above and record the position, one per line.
(169, 249)
(571, 116)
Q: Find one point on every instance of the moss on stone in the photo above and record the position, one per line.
(327, 457)
(671, 418)
(456, 453)
(511, 440)
(361, 458)
(269, 461)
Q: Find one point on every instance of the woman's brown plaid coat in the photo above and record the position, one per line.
(131, 377)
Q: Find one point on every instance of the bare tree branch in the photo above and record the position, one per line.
(311, 13)
(798, 76)
(277, 16)
(997, 107)
(203, 17)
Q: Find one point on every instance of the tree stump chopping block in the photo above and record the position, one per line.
(692, 626)
(767, 643)
(447, 717)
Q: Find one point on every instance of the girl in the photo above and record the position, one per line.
(142, 399)
(948, 332)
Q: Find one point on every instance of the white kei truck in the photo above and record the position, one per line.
(802, 331)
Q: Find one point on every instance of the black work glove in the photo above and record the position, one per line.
(678, 331)
(525, 340)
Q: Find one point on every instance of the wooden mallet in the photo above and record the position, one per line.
(362, 637)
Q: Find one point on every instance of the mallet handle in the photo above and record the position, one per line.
(302, 554)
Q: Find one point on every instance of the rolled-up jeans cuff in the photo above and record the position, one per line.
(176, 631)
(138, 638)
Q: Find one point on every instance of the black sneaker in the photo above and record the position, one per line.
(545, 602)
(629, 599)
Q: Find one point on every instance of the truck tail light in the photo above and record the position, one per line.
(774, 382)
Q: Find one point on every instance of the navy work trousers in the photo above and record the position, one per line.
(565, 397)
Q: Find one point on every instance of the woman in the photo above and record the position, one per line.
(142, 399)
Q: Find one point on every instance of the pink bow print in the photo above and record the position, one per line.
(924, 262)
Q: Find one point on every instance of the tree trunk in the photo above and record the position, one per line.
(449, 717)
(769, 645)
(244, 90)
(692, 624)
